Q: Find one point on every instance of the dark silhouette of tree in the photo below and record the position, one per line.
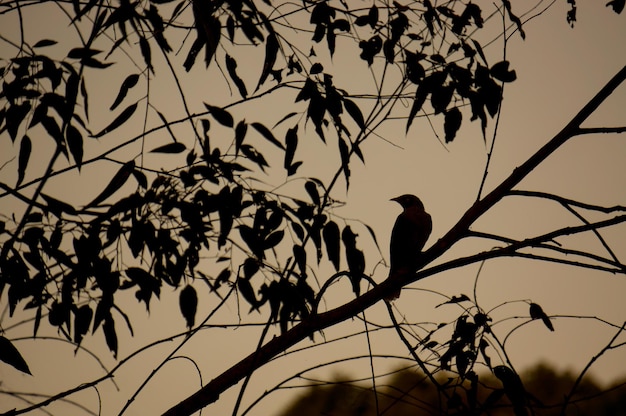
(409, 392)
(208, 194)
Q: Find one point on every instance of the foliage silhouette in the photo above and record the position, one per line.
(409, 392)
(149, 227)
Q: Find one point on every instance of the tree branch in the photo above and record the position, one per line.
(211, 392)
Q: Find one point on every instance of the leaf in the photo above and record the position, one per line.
(176, 147)
(271, 50)
(452, 123)
(500, 71)
(220, 115)
(188, 302)
(58, 207)
(316, 68)
(141, 178)
(82, 321)
(128, 83)
(311, 189)
(83, 53)
(25, 149)
(245, 289)
(345, 160)
(75, 144)
(617, 5)
(287, 117)
(231, 67)
(10, 355)
(254, 155)
(45, 42)
(265, 132)
(330, 233)
(291, 143)
(420, 98)
(355, 112)
(109, 334)
(144, 46)
(118, 180)
(240, 134)
(119, 120)
(273, 239)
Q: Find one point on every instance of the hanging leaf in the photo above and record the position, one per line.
(271, 50)
(355, 112)
(25, 149)
(231, 67)
(240, 134)
(188, 302)
(118, 180)
(128, 83)
(420, 98)
(291, 143)
(265, 132)
(345, 160)
(75, 144)
(109, 334)
(452, 123)
(10, 355)
(170, 148)
(311, 189)
(330, 233)
(82, 321)
(220, 115)
(141, 178)
(119, 120)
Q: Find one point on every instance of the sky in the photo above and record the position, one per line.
(559, 69)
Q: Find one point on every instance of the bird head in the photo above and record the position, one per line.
(408, 200)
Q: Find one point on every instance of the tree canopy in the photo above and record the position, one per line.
(165, 146)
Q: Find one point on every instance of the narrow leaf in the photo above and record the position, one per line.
(75, 144)
(291, 143)
(271, 50)
(240, 134)
(44, 42)
(265, 132)
(118, 180)
(109, 334)
(144, 46)
(10, 355)
(231, 66)
(220, 115)
(128, 83)
(119, 120)
(58, 207)
(170, 148)
(25, 149)
(330, 233)
(355, 112)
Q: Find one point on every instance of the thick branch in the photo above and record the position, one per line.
(211, 392)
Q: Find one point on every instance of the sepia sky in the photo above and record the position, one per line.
(559, 69)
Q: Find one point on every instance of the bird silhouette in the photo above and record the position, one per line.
(410, 232)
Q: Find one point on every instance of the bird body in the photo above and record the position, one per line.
(409, 235)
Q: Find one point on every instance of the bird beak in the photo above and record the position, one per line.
(395, 199)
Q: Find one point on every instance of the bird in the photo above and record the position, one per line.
(409, 235)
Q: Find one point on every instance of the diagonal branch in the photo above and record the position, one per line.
(211, 392)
